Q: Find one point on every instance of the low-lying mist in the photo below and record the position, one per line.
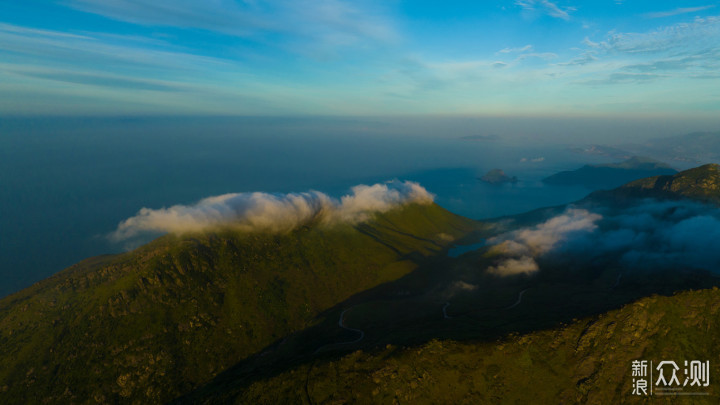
(651, 235)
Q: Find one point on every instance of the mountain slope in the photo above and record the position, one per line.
(472, 352)
(701, 183)
(588, 361)
(149, 325)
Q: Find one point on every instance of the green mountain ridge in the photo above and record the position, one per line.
(149, 325)
(701, 184)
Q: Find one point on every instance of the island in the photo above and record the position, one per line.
(497, 176)
(613, 174)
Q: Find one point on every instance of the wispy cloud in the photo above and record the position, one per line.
(702, 33)
(519, 49)
(546, 7)
(34, 32)
(624, 78)
(584, 59)
(699, 62)
(539, 55)
(305, 23)
(297, 57)
(103, 80)
(686, 49)
(69, 49)
(677, 11)
(220, 15)
(105, 73)
(590, 43)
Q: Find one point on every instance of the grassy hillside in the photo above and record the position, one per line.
(154, 323)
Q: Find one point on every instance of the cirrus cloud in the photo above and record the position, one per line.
(331, 23)
(677, 11)
(546, 7)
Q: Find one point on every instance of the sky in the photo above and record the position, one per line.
(363, 57)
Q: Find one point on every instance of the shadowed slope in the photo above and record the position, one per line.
(588, 361)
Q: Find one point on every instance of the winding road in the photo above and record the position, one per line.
(445, 315)
(447, 304)
(519, 300)
(340, 324)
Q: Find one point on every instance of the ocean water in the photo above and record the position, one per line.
(459, 250)
(66, 183)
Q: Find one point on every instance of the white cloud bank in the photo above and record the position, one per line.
(273, 212)
(519, 248)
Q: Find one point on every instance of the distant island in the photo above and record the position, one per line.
(603, 150)
(613, 174)
(497, 176)
(694, 148)
(688, 149)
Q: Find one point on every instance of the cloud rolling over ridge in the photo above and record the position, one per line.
(272, 212)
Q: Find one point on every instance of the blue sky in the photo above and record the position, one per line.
(333, 57)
